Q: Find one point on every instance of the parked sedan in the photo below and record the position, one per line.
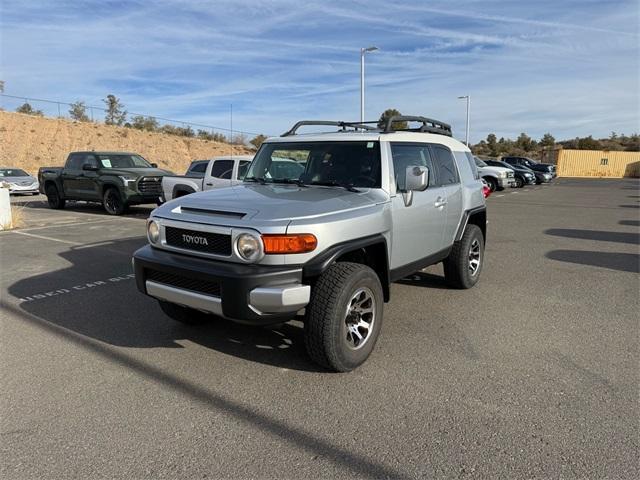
(523, 175)
(19, 181)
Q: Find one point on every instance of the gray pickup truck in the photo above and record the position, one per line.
(372, 205)
(115, 179)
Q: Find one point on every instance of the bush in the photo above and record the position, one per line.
(141, 122)
(78, 112)
(27, 109)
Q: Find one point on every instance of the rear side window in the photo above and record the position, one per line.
(222, 169)
(75, 162)
(408, 155)
(199, 167)
(472, 163)
(444, 162)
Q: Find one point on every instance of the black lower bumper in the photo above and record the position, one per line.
(232, 282)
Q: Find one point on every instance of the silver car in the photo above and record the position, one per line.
(19, 181)
(366, 206)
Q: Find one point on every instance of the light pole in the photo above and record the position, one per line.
(466, 137)
(363, 51)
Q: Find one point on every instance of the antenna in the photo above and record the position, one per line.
(231, 129)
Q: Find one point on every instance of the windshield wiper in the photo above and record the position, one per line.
(260, 180)
(293, 181)
(346, 186)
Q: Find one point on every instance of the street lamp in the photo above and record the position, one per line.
(466, 137)
(363, 51)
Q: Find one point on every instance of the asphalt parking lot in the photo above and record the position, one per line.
(532, 373)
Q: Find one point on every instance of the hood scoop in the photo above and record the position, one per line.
(208, 212)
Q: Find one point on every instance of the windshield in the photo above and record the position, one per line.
(12, 172)
(123, 161)
(479, 162)
(353, 164)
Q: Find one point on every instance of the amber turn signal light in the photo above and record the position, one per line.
(296, 243)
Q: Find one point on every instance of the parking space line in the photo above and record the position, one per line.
(42, 237)
(501, 195)
(67, 224)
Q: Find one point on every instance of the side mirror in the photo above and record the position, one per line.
(89, 167)
(416, 178)
(154, 165)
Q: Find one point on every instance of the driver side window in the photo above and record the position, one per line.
(410, 154)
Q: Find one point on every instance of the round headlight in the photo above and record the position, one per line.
(153, 231)
(248, 246)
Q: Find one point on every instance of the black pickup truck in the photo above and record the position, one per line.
(115, 179)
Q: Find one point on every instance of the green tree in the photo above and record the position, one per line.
(589, 143)
(391, 112)
(78, 112)
(141, 122)
(492, 144)
(26, 108)
(257, 140)
(547, 140)
(525, 142)
(116, 114)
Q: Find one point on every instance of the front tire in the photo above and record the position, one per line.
(519, 182)
(112, 202)
(344, 318)
(493, 185)
(463, 265)
(53, 198)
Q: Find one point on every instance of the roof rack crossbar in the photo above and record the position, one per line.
(342, 125)
(428, 125)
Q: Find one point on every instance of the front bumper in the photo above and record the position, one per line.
(506, 182)
(21, 189)
(253, 294)
(139, 198)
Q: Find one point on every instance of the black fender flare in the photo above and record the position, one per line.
(320, 263)
(181, 188)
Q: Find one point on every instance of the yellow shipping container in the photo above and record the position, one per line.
(594, 163)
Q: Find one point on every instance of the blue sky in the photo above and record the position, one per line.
(562, 66)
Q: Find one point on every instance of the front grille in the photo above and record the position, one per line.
(150, 185)
(179, 281)
(214, 243)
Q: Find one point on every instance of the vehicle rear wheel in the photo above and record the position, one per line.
(53, 197)
(463, 265)
(493, 185)
(112, 202)
(186, 315)
(344, 317)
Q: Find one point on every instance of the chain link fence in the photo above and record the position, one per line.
(142, 121)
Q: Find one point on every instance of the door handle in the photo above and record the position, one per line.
(209, 184)
(440, 202)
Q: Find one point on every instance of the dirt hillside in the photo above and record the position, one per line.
(30, 142)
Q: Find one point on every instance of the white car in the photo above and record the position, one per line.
(206, 174)
(19, 181)
(498, 178)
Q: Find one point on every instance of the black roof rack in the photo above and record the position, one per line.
(428, 125)
(342, 125)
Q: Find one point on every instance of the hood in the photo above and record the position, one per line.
(252, 204)
(489, 168)
(24, 180)
(542, 167)
(138, 172)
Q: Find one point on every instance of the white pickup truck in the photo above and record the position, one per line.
(205, 175)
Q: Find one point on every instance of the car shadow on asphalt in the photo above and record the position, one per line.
(631, 223)
(598, 235)
(139, 211)
(624, 262)
(96, 297)
(424, 279)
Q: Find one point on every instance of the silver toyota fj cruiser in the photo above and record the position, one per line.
(365, 206)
